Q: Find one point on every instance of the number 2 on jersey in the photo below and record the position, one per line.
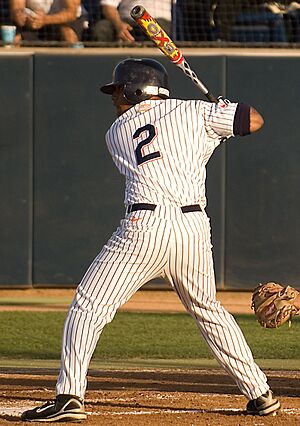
(150, 135)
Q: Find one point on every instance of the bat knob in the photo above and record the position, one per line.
(137, 12)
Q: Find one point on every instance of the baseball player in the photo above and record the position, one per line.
(161, 146)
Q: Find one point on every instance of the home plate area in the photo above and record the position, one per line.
(153, 397)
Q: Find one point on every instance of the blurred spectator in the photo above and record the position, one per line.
(118, 25)
(256, 20)
(290, 11)
(194, 20)
(94, 15)
(225, 12)
(59, 20)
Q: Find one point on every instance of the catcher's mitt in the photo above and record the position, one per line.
(273, 304)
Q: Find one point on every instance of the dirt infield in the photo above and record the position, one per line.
(150, 397)
(139, 396)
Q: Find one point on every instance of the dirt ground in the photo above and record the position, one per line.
(143, 300)
(155, 397)
(152, 397)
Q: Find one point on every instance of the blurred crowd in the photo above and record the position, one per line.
(79, 22)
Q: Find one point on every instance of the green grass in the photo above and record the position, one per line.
(138, 336)
(36, 301)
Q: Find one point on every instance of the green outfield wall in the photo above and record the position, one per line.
(61, 196)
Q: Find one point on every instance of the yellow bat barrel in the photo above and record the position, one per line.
(155, 33)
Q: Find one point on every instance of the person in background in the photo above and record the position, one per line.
(117, 23)
(59, 20)
(194, 20)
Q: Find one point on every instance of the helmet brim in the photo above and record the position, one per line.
(108, 89)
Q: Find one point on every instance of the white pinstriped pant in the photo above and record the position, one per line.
(164, 243)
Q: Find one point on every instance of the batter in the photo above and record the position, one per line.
(161, 146)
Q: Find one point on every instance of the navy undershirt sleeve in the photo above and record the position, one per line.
(241, 123)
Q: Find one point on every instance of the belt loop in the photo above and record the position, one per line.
(146, 206)
(191, 208)
(140, 206)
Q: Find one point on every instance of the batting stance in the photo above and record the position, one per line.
(161, 146)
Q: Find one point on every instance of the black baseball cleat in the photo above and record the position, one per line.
(264, 405)
(65, 408)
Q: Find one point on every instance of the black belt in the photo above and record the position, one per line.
(146, 206)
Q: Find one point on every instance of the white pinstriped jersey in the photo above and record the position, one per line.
(164, 164)
(163, 146)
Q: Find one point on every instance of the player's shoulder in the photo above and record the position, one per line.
(184, 104)
(184, 101)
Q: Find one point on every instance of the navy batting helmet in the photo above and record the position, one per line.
(140, 79)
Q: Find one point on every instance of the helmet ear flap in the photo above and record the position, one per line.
(134, 94)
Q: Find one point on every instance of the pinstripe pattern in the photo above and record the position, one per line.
(162, 243)
(178, 177)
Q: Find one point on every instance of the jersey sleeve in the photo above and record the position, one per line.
(219, 119)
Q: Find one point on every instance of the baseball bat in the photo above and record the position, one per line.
(161, 39)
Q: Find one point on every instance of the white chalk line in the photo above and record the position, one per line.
(290, 411)
(162, 411)
(17, 411)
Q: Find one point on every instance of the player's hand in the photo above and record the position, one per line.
(123, 32)
(223, 102)
(37, 21)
